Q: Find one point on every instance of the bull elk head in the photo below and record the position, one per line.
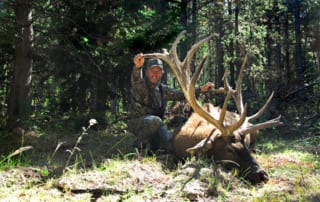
(220, 126)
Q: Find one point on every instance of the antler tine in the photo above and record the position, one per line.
(173, 50)
(197, 72)
(238, 124)
(190, 96)
(224, 108)
(262, 109)
(225, 89)
(226, 82)
(162, 56)
(237, 96)
(191, 87)
(259, 126)
(170, 58)
(174, 62)
(187, 60)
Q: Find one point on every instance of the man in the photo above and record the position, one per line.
(148, 103)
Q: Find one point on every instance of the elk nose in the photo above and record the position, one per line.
(264, 176)
(258, 177)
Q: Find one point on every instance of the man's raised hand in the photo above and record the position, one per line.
(138, 60)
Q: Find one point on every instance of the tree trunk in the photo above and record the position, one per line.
(231, 47)
(219, 47)
(184, 23)
(163, 6)
(287, 52)
(101, 95)
(268, 40)
(297, 26)
(278, 60)
(20, 89)
(194, 13)
(184, 15)
(236, 33)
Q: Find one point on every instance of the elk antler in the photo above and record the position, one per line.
(187, 82)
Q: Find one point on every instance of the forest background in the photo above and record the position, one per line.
(63, 63)
(67, 61)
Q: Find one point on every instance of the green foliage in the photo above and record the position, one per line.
(83, 55)
(147, 12)
(85, 40)
(7, 30)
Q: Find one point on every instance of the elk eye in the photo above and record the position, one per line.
(234, 139)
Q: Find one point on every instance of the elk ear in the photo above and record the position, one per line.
(203, 146)
(247, 140)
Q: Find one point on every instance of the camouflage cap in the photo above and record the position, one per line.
(154, 63)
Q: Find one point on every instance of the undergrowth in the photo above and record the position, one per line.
(104, 164)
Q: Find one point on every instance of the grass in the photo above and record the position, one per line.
(103, 165)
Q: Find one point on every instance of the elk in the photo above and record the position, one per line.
(213, 130)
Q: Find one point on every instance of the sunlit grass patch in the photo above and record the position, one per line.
(294, 175)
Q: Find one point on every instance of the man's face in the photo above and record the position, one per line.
(154, 74)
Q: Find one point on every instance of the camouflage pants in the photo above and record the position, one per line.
(150, 129)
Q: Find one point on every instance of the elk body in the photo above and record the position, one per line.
(214, 131)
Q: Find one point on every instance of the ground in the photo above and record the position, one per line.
(106, 166)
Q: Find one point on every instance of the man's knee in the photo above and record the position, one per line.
(145, 127)
(152, 121)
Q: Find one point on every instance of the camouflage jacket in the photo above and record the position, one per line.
(149, 99)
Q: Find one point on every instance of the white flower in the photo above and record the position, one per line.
(92, 122)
